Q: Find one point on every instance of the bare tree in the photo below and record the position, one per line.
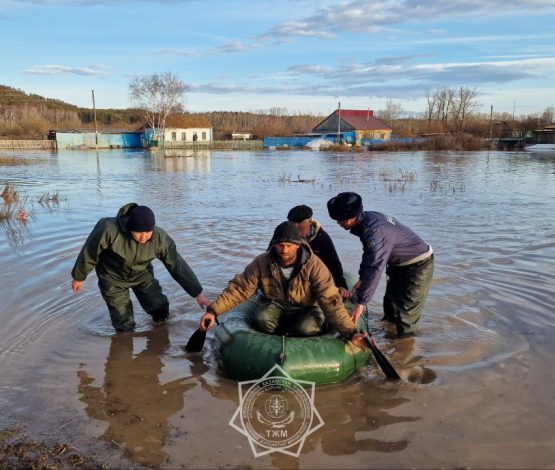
(431, 100)
(445, 98)
(547, 115)
(158, 96)
(392, 113)
(464, 104)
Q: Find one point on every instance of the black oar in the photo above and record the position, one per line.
(196, 341)
(382, 361)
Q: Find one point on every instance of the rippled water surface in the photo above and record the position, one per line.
(480, 371)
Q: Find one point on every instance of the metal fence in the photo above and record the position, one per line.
(216, 144)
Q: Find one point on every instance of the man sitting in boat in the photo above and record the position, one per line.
(297, 287)
(321, 244)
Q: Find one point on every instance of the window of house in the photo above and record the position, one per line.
(183, 136)
(174, 136)
(195, 136)
(204, 136)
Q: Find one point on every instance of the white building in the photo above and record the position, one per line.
(241, 136)
(182, 129)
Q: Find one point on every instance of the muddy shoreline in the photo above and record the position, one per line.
(18, 450)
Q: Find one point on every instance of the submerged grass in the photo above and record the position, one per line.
(19, 451)
(48, 199)
(287, 179)
(9, 195)
(15, 207)
(396, 181)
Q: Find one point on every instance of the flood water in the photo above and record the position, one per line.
(479, 373)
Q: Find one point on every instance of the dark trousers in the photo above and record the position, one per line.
(406, 292)
(148, 293)
(275, 318)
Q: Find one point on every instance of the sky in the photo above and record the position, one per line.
(302, 55)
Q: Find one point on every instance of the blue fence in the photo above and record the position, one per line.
(301, 141)
(69, 140)
(393, 140)
(287, 141)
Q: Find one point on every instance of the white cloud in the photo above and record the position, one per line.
(181, 52)
(387, 78)
(309, 69)
(94, 70)
(373, 16)
(227, 48)
(299, 28)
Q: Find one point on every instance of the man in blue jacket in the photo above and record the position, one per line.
(391, 247)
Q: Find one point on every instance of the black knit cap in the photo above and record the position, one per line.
(345, 206)
(299, 213)
(141, 219)
(286, 232)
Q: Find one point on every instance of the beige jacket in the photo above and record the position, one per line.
(312, 284)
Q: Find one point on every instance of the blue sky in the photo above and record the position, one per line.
(302, 55)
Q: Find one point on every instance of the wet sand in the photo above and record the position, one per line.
(479, 373)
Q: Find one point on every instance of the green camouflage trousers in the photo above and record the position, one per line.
(148, 293)
(275, 318)
(406, 292)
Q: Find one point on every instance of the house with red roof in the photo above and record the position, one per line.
(354, 125)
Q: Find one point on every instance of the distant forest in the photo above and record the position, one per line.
(31, 116)
(448, 111)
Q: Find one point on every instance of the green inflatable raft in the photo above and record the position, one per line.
(246, 354)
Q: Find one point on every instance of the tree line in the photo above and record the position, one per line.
(447, 111)
(456, 111)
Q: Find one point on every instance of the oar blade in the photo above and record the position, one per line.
(382, 361)
(196, 341)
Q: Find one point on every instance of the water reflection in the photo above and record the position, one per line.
(132, 400)
(187, 160)
(16, 231)
(357, 417)
(409, 363)
(365, 414)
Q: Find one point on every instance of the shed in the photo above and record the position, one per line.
(545, 135)
(87, 138)
(355, 124)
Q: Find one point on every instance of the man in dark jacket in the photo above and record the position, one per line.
(320, 242)
(121, 249)
(391, 246)
(298, 291)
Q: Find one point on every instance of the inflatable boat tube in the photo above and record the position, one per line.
(243, 353)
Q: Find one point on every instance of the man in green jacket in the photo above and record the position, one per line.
(298, 289)
(121, 249)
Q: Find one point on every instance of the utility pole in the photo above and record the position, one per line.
(491, 127)
(338, 123)
(95, 126)
(514, 106)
